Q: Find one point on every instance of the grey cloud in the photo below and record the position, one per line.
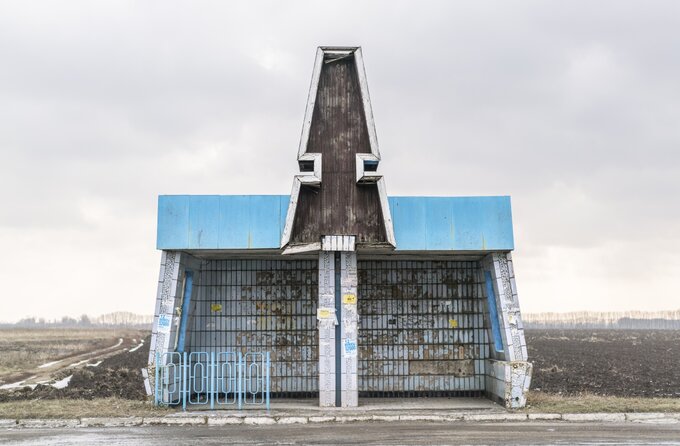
(572, 108)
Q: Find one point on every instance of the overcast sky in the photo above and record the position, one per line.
(572, 108)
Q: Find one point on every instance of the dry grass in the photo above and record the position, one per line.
(552, 403)
(103, 407)
(115, 407)
(24, 349)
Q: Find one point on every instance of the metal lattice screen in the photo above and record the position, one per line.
(422, 328)
(262, 305)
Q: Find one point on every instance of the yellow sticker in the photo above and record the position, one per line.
(323, 313)
(453, 323)
(216, 308)
(349, 299)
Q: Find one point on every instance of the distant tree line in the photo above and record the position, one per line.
(653, 320)
(117, 319)
(656, 320)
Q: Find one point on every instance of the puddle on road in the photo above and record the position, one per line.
(76, 364)
(62, 383)
(17, 384)
(49, 364)
(137, 347)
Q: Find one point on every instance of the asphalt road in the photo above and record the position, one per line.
(530, 433)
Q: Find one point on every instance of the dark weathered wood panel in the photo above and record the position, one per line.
(338, 131)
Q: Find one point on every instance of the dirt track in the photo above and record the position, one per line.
(111, 371)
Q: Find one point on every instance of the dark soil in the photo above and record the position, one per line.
(637, 363)
(643, 363)
(116, 376)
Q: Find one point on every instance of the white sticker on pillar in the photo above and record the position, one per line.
(326, 274)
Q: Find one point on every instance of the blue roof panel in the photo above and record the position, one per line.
(452, 223)
(193, 222)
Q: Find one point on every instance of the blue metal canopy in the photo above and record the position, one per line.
(226, 222)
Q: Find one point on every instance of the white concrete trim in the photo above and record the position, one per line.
(290, 216)
(366, 98)
(316, 159)
(364, 177)
(307, 179)
(297, 249)
(387, 215)
(311, 100)
(338, 243)
(338, 50)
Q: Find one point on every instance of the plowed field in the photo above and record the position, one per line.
(644, 363)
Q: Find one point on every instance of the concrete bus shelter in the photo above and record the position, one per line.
(355, 294)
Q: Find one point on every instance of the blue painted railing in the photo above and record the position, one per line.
(215, 379)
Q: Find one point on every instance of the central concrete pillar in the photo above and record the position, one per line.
(337, 318)
(327, 321)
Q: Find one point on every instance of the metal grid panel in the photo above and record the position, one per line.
(422, 328)
(262, 305)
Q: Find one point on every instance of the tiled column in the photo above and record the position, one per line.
(513, 375)
(327, 320)
(509, 315)
(168, 305)
(349, 320)
(338, 309)
(166, 319)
